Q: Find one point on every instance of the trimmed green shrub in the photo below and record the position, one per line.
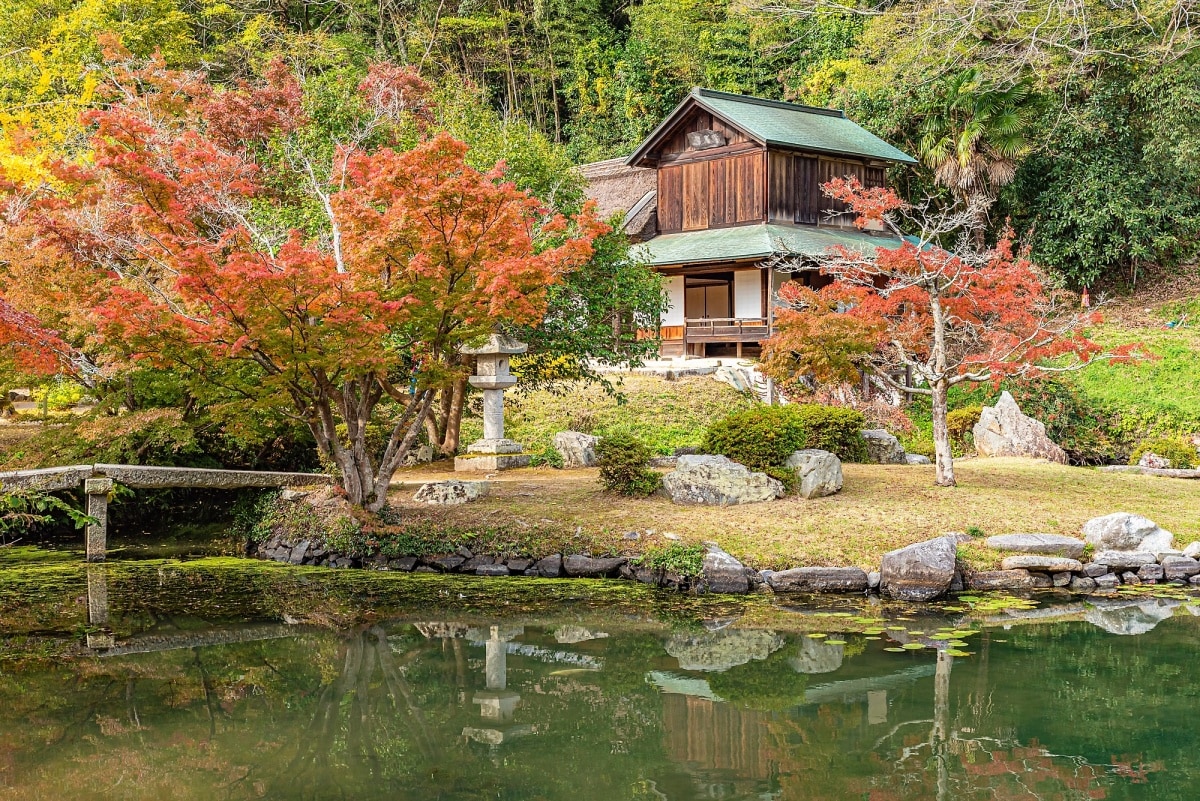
(623, 468)
(763, 437)
(960, 422)
(1180, 452)
(686, 560)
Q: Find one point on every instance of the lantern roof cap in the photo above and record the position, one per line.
(497, 345)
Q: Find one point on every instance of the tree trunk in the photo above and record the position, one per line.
(941, 436)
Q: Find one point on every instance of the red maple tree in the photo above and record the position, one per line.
(947, 316)
(337, 293)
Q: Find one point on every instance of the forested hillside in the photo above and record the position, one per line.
(1080, 118)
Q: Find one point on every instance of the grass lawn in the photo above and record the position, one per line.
(543, 510)
(664, 414)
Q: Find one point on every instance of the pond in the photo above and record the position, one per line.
(217, 678)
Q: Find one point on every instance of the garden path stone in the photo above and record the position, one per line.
(1049, 544)
(718, 481)
(919, 572)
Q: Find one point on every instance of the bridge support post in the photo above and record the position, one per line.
(97, 490)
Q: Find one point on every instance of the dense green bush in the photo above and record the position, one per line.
(623, 468)
(960, 422)
(763, 437)
(1179, 451)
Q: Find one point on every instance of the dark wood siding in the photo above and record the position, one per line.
(781, 195)
(712, 193)
(695, 196)
(795, 182)
(670, 198)
(808, 192)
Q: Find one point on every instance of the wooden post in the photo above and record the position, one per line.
(97, 490)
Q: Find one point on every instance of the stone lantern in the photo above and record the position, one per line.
(494, 451)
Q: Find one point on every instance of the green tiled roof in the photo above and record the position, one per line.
(789, 125)
(756, 242)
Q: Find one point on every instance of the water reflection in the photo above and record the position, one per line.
(589, 705)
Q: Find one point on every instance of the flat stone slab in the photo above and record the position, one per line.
(1164, 472)
(47, 479)
(999, 580)
(590, 566)
(819, 579)
(451, 493)
(1046, 564)
(147, 477)
(489, 463)
(1049, 544)
(1123, 560)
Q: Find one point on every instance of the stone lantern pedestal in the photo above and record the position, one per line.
(494, 451)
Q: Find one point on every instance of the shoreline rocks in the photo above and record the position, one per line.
(1048, 544)
(919, 572)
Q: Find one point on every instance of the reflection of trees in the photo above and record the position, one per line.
(364, 717)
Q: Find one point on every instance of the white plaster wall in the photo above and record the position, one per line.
(747, 293)
(674, 315)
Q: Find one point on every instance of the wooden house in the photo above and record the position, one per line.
(723, 185)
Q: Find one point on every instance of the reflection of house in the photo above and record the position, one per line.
(722, 185)
(720, 745)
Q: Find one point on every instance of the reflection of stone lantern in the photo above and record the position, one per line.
(497, 703)
(494, 451)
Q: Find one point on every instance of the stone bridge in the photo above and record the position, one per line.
(97, 481)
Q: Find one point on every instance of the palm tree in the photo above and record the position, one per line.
(975, 138)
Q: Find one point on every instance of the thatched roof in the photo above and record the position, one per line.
(619, 189)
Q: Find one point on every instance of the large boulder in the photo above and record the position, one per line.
(1003, 430)
(720, 572)
(819, 473)
(1121, 531)
(919, 572)
(450, 493)
(717, 481)
(1049, 544)
(819, 579)
(883, 448)
(576, 449)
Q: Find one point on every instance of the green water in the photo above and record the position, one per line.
(222, 679)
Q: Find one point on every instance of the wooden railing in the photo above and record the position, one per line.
(726, 329)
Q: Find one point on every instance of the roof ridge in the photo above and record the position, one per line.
(700, 91)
